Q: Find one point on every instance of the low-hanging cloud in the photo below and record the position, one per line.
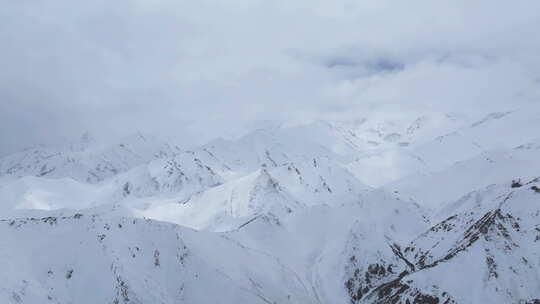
(195, 69)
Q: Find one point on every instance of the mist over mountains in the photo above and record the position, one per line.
(199, 71)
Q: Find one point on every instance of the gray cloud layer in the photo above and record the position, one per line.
(195, 68)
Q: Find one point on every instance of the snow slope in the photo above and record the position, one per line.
(492, 167)
(94, 259)
(50, 194)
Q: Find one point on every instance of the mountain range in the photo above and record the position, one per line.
(438, 208)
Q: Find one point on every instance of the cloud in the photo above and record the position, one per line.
(195, 69)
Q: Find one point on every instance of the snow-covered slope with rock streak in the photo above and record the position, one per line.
(435, 208)
(181, 173)
(486, 250)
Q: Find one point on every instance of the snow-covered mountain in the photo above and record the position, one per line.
(501, 130)
(95, 259)
(434, 189)
(435, 208)
(484, 250)
(84, 160)
(277, 192)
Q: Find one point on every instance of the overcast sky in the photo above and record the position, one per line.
(202, 68)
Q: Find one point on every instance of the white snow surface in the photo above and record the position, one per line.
(439, 208)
